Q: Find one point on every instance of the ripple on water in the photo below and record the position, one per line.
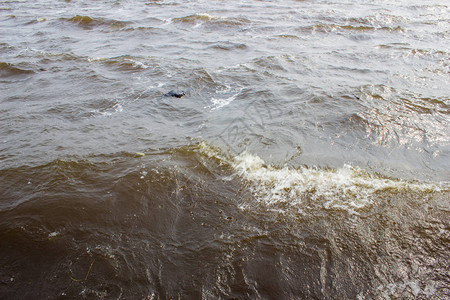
(87, 22)
(213, 22)
(406, 120)
(11, 70)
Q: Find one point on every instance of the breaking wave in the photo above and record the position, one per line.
(347, 188)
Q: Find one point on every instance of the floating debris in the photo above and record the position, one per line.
(177, 94)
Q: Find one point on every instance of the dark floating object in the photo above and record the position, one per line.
(175, 94)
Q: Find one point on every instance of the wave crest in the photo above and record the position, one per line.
(347, 188)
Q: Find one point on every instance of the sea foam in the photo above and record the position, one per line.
(348, 188)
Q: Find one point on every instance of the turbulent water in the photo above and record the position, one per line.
(309, 157)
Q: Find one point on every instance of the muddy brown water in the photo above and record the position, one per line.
(308, 158)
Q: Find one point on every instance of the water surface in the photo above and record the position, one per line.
(309, 157)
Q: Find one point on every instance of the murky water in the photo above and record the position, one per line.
(307, 155)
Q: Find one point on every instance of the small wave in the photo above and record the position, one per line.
(36, 21)
(326, 28)
(271, 63)
(287, 36)
(379, 20)
(143, 29)
(408, 51)
(50, 55)
(123, 63)
(208, 19)
(348, 188)
(116, 108)
(160, 3)
(87, 22)
(81, 19)
(8, 69)
(194, 18)
(5, 48)
(428, 53)
(227, 46)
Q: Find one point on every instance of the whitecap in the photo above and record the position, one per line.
(220, 99)
(219, 103)
(347, 188)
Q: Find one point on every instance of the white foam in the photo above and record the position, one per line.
(137, 64)
(219, 103)
(115, 109)
(206, 15)
(53, 234)
(393, 289)
(96, 59)
(348, 188)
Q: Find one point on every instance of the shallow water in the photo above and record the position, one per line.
(309, 157)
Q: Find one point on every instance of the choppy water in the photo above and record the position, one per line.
(309, 157)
